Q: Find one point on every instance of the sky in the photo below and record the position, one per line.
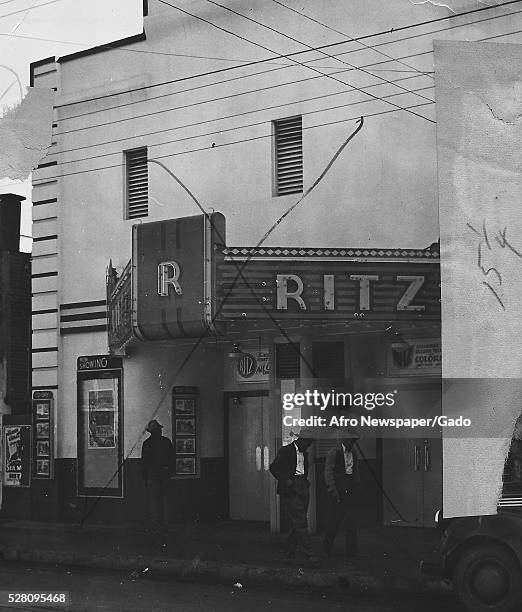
(68, 26)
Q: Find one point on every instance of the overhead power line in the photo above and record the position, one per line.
(195, 124)
(31, 8)
(215, 146)
(116, 47)
(296, 53)
(300, 42)
(209, 101)
(241, 77)
(324, 25)
(154, 132)
(243, 38)
(231, 129)
(270, 70)
(235, 142)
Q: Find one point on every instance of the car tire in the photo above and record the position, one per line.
(488, 577)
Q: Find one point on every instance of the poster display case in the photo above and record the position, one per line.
(99, 420)
(43, 438)
(185, 432)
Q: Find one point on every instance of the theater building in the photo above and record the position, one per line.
(144, 307)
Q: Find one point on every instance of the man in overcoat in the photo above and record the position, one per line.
(157, 462)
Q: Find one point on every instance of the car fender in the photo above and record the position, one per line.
(463, 533)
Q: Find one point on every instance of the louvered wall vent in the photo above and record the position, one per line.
(288, 362)
(288, 171)
(137, 183)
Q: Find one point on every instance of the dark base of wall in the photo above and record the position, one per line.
(204, 498)
(56, 500)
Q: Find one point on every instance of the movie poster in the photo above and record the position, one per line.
(102, 419)
(17, 456)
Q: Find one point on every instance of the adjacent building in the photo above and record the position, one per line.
(15, 359)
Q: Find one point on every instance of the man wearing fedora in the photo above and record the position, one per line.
(157, 459)
(341, 474)
(290, 468)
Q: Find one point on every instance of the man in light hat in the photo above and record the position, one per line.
(157, 460)
(290, 468)
(341, 474)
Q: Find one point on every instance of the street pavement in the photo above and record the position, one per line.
(93, 590)
(228, 552)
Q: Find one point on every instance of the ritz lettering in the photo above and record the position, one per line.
(291, 287)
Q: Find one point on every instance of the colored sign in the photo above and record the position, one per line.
(415, 358)
(17, 455)
(253, 367)
(174, 276)
(325, 290)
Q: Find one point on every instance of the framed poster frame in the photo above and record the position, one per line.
(186, 437)
(98, 435)
(43, 435)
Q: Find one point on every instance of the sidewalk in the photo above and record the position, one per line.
(228, 552)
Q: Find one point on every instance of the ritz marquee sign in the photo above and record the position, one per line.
(330, 289)
(180, 283)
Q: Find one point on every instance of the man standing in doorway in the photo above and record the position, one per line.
(341, 474)
(157, 458)
(290, 468)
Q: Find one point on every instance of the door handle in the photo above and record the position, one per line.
(427, 458)
(417, 458)
(258, 458)
(266, 458)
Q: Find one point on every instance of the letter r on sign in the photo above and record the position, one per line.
(168, 274)
(283, 294)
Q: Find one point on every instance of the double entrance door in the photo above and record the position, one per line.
(412, 466)
(248, 458)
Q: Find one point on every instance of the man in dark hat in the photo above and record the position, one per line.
(290, 468)
(341, 474)
(157, 459)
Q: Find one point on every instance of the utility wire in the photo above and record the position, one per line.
(234, 142)
(231, 129)
(262, 136)
(271, 70)
(324, 25)
(215, 99)
(238, 78)
(115, 47)
(234, 115)
(31, 8)
(262, 61)
(243, 38)
(300, 42)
